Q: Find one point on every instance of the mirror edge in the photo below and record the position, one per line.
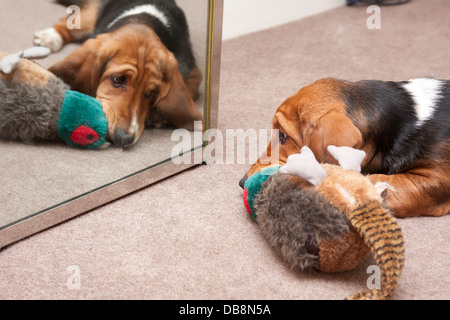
(49, 218)
(214, 42)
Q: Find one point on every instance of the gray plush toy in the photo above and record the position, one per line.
(35, 105)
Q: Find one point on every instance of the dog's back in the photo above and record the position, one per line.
(405, 121)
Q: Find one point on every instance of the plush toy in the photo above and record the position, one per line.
(36, 105)
(327, 217)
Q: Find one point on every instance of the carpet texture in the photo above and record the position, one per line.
(189, 237)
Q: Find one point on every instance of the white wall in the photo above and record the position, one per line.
(246, 16)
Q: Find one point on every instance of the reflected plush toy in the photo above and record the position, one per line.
(327, 217)
(35, 105)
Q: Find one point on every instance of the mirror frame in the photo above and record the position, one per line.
(83, 203)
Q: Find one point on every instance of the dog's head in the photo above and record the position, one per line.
(314, 117)
(130, 71)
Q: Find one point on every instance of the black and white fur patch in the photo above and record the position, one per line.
(403, 120)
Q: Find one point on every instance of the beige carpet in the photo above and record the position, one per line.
(189, 237)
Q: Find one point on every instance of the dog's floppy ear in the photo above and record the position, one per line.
(174, 99)
(82, 68)
(334, 128)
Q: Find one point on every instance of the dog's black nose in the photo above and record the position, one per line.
(122, 138)
(242, 182)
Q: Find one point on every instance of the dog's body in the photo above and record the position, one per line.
(137, 61)
(402, 126)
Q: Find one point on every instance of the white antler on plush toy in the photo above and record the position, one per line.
(348, 158)
(10, 63)
(306, 166)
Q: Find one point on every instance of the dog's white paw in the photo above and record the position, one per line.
(49, 38)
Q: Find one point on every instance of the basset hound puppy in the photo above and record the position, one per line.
(404, 128)
(137, 61)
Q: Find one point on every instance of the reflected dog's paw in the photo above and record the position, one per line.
(49, 38)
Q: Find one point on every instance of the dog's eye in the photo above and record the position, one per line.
(282, 137)
(119, 81)
(152, 95)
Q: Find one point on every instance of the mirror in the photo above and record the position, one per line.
(43, 184)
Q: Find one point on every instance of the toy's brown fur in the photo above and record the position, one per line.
(361, 202)
(343, 253)
(28, 72)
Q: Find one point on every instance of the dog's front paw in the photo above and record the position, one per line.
(49, 38)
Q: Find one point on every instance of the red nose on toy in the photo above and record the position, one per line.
(84, 136)
(245, 196)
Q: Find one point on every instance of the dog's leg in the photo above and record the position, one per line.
(421, 192)
(64, 32)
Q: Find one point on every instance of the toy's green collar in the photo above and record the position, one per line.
(253, 186)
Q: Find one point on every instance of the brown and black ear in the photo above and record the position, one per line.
(334, 128)
(175, 99)
(81, 70)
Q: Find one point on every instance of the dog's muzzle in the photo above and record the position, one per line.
(122, 139)
(242, 182)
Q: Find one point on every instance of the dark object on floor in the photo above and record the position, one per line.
(378, 2)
